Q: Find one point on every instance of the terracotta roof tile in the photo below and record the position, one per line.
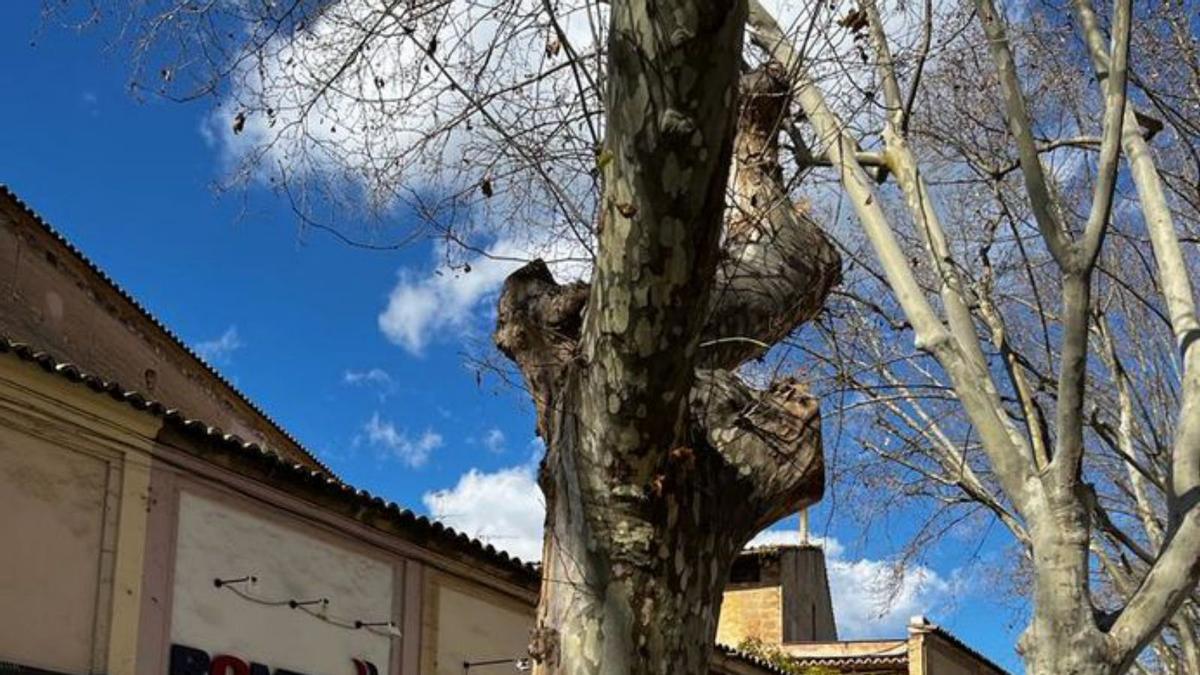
(752, 659)
(853, 663)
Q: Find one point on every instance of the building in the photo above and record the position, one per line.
(778, 603)
(156, 522)
(777, 595)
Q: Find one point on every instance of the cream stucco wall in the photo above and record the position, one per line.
(465, 622)
(52, 504)
(73, 494)
(218, 540)
(940, 657)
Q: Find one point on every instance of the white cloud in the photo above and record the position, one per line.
(221, 349)
(873, 598)
(493, 440)
(377, 379)
(372, 376)
(503, 508)
(91, 103)
(450, 301)
(392, 129)
(354, 95)
(445, 301)
(412, 452)
(833, 548)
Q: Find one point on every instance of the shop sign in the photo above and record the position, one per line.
(187, 660)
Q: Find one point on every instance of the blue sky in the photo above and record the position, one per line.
(293, 319)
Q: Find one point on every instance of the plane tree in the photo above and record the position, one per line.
(685, 153)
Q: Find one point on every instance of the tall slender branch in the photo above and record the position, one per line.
(1041, 199)
(1176, 571)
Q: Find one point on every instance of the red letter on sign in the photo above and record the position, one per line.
(228, 665)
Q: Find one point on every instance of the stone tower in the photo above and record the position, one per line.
(777, 595)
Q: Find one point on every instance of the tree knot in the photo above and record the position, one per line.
(543, 645)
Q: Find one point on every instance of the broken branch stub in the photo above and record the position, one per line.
(772, 438)
(537, 326)
(777, 264)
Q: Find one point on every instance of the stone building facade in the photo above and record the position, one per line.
(778, 595)
(778, 603)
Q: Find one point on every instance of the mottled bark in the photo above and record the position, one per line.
(539, 330)
(772, 438)
(661, 463)
(633, 570)
(778, 264)
(1063, 636)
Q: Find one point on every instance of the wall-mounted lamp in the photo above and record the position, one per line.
(388, 627)
(244, 588)
(304, 603)
(249, 579)
(523, 664)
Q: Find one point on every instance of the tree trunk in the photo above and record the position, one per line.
(1076, 648)
(1064, 637)
(634, 568)
(1060, 660)
(633, 573)
(661, 462)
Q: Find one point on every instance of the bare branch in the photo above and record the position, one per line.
(1038, 189)
(982, 403)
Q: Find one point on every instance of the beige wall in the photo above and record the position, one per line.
(218, 540)
(466, 622)
(751, 613)
(117, 539)
(52, 508)
(51, 299)
(941, 657)
(778, 595)
(73, 494)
